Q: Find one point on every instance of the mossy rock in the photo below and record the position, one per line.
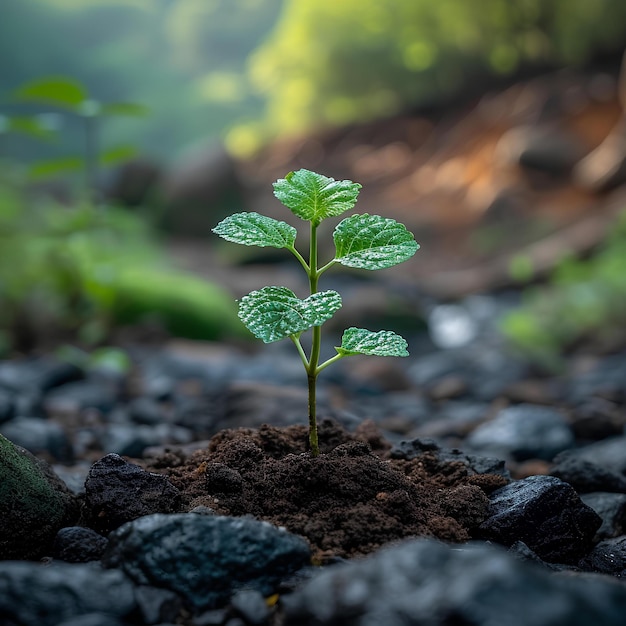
(34, 501)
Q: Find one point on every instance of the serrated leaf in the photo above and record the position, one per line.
(381, 343)
(314, 197)
(57, 90)
(273, 313)
(371, 242)
(253, 229)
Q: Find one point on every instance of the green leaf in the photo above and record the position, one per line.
(371, 242)
(253, 229)
(381, 343)
(28, 126)
(124, 109)
(118, 154)
(314, 197)
(273, 313)
(57, 90)
(44, 169)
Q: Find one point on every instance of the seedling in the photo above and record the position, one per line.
(362, 241)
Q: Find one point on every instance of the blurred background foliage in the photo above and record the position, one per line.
(250, 70)
(87, 85)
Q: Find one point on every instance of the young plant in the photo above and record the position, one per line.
(363, 241)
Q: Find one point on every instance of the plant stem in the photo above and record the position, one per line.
(325, 364)
(315, 346)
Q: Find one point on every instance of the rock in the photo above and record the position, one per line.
(158, 605)
(39, 436)
(96, 393)
(35, 503)
(609, 453)
(595, 419)
(606, 380)
(117, 492)
(611, 507)
(76, 544)
(586, 475)
(32, 594)
(421, 582)
(608, 557)
(409, 450)
(132, 439)
(222, 555)
(546, 514)
(250, 605)
(523, 432)
(7, 406)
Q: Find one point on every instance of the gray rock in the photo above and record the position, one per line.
(606, 380)
(7, 405)
(157, 605)
(39, 436)
(205, 558)
(117, 492)
(132, 439)
(608, 557)
(585, 475)
(98, 392)
(609, 454)
(611, 507)
(523, 432)
(32, 594)
(77, 544)
(250, 605)
(425, 583)
(546, 514)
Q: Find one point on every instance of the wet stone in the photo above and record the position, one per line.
(118, 492)
(611, 507)
(421, 582)
(523, 432)
(76, 544)
(206, 559)
(586, 475)
(40, 437)
(608, 557)
(546, 514)
(32, 594)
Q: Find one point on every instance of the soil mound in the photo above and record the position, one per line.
(346, 502)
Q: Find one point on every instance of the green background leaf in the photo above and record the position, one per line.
(315, 197)
(125, 109)
(253, 229)
(273, 313)
(57, 90)
(363, 341)
(371, 242)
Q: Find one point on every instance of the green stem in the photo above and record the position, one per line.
(325, 364)
(328, 265)
(316, 343)
(296, 341)
(300, 258)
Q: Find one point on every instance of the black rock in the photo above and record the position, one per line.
(157, 605)
(76, 544)
(117, 492)
(32, 594)
(608, 557)
(546, 514)
(205, 558)
(586, 475)
(425, 583)
(523, 432)
(7, 405)
(409, 450)
(611, 507)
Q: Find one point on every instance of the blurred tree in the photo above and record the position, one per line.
(336, 62)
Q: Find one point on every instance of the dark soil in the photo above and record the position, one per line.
(346, 502)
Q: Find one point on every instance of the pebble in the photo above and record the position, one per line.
(611, 507)
(422, 582)
(521, 432)
(546, 514)
(117, 492)
(32, 594)
(76, 544)
(205, 558)
(608, 557)
(40, 436)
(585, 475)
